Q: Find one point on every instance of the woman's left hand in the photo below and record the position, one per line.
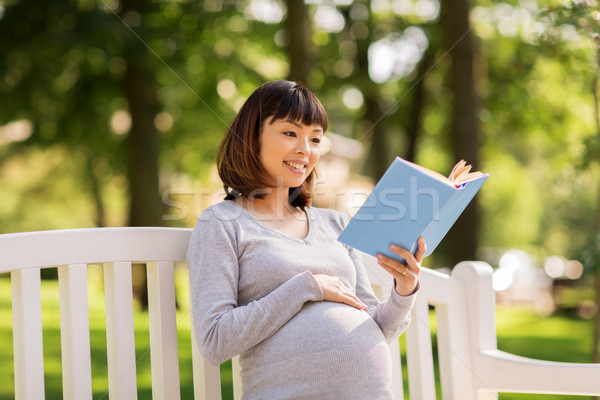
(406, 275)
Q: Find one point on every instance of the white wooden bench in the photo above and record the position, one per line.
(470, 365)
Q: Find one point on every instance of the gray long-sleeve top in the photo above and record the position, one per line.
(254, 294)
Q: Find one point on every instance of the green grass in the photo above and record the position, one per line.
(558, 338)
(520, 331)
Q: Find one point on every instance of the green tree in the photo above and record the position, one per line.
(585, 17)
(56, 57)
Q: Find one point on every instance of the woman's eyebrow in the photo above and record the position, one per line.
(293, 123)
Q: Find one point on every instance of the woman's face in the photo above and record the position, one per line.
(289, 151)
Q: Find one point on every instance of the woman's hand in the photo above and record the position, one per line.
(335, 290)
(406, 275)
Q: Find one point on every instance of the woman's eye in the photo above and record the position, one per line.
(316, 140)
(291, 134)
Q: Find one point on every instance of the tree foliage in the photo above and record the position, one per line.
(381, 68)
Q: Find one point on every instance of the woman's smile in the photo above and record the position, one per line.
(296, 166)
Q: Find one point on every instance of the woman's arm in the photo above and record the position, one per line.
(393, 315)
(224, 329)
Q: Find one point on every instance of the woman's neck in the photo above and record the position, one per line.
(275, 204)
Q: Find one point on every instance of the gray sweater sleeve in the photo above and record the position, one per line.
(223, 328)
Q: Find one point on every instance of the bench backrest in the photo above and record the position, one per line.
(470, 366)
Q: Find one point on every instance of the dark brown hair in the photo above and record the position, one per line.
(238, 160)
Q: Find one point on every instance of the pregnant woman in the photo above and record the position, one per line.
(270, 281)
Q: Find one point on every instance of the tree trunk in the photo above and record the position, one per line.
(413, 128)
(300, 47)
(142, 146)
(378, 158)
(143, 140)
(464, 120)
(95, 182)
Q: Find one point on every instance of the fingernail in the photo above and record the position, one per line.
(379, 256)
(393, 247)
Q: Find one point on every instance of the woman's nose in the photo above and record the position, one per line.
(303, 147)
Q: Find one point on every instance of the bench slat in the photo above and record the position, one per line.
(120, 337)
(75, 332)
(456, 373)
(163, 331)
(419, 355)
(27, 334)
(205, 375)
(397, 384)
(236, 369)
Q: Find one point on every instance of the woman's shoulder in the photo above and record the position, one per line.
(221, 220)
(224, 212)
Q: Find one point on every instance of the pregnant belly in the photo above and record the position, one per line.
(321, 326)
(326, 348)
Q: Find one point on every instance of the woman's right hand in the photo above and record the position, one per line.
(335, 290)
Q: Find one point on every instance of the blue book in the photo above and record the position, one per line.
(410, 201)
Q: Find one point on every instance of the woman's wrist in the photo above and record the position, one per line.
(401, 291)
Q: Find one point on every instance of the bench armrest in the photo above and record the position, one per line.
(508, 372)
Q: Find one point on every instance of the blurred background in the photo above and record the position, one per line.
(111, 113)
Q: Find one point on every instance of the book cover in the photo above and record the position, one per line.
(410, 201)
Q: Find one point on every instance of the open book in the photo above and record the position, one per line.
(410, 201)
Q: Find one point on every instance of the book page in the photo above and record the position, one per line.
(461, 173)
(433, 174)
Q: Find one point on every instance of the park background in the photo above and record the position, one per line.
(111, 113)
